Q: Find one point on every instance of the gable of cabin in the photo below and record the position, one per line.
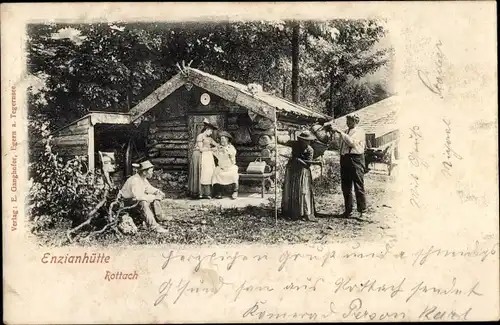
(174, 123)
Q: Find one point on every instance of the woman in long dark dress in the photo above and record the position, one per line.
(298, 197)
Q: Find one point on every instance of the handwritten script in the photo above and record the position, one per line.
(434, 81)
(450, 153)
(393, 297)
(417, 163)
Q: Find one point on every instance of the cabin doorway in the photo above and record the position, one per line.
(125, 142)
(195, 125)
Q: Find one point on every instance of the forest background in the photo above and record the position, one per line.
(335, 67)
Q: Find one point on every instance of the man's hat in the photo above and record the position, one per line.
(145, 165)
(208, 123)
(354, 117)
(306, 135)
(225, 134)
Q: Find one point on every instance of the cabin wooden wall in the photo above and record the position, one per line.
(169, 139)
(386, 138)
(370, 140)
(168, 143)
(73, 140)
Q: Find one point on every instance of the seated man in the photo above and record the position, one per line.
(225, 176)
(137, 188)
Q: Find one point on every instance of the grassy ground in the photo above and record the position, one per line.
(257, 224)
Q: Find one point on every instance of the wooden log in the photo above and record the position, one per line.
(73, 130)
(72, 151)
(166, 161)
(269, 132)
(254, 154)
(67, 145)
(177, 146)
(171, 122)
(170, 136)
(70, 140)
(247, 148)
(265, 140)
(70, 137)
(264, 124)
(153, 152)
(179, 128)
(150, 142)
(283, 138)
(172, 166)
(210, 108)
(82, 133)
(173, 153)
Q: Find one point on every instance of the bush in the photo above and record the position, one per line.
(330, 182)
(60, 190)
(172, 183)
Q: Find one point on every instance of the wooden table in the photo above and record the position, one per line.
(257, 177)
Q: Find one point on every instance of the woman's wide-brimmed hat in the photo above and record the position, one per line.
(306, 135)
(353, 117)
(145, 165)
(225, 134)
(210, 124)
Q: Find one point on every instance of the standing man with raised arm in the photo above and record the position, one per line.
(352, 163)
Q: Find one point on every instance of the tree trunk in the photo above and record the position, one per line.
(295, 61)
(283, 91)
(332, 95)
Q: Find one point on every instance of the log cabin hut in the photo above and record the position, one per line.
(163, 126)
(93, 133)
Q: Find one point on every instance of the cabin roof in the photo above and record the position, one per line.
(98, 117)
(261, 103)
(280, 104)
(379, 118)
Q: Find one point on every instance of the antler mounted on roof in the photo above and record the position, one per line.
(184, 70)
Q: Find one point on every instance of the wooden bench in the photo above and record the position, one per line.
(257, 177)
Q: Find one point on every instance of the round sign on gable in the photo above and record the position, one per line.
(205, 99)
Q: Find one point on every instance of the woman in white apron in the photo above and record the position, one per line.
(202, 165)
(225, 177)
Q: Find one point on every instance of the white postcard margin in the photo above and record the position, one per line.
(443, 266)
